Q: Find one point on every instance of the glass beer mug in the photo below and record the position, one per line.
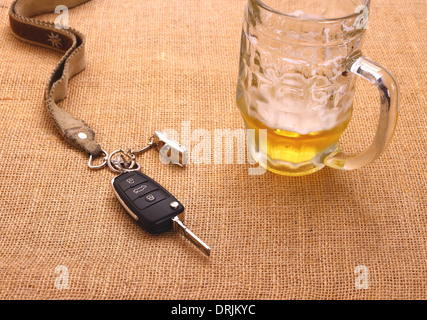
(297, 70)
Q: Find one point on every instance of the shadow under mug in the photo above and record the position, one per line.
(297, 80)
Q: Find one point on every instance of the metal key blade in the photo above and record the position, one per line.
(179, 226)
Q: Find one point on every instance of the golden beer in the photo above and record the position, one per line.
(291, 153)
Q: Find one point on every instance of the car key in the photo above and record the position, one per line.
(152, 207)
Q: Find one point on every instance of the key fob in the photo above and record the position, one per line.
(147, 202)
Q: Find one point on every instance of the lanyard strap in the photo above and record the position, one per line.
(72, 44)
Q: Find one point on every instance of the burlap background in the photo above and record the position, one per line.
(153, 65)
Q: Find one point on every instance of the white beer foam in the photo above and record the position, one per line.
(298, 104)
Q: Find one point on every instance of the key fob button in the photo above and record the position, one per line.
(140, 190)
(150, 199)
(131, 181)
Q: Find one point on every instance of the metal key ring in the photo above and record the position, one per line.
(113, 167)
(102, 165)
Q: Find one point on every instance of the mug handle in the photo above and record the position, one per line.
(386, 83)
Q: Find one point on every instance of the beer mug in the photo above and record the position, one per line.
(297, 70)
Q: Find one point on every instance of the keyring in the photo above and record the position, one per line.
(113, 166)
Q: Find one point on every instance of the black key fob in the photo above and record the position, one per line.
(147, 202)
